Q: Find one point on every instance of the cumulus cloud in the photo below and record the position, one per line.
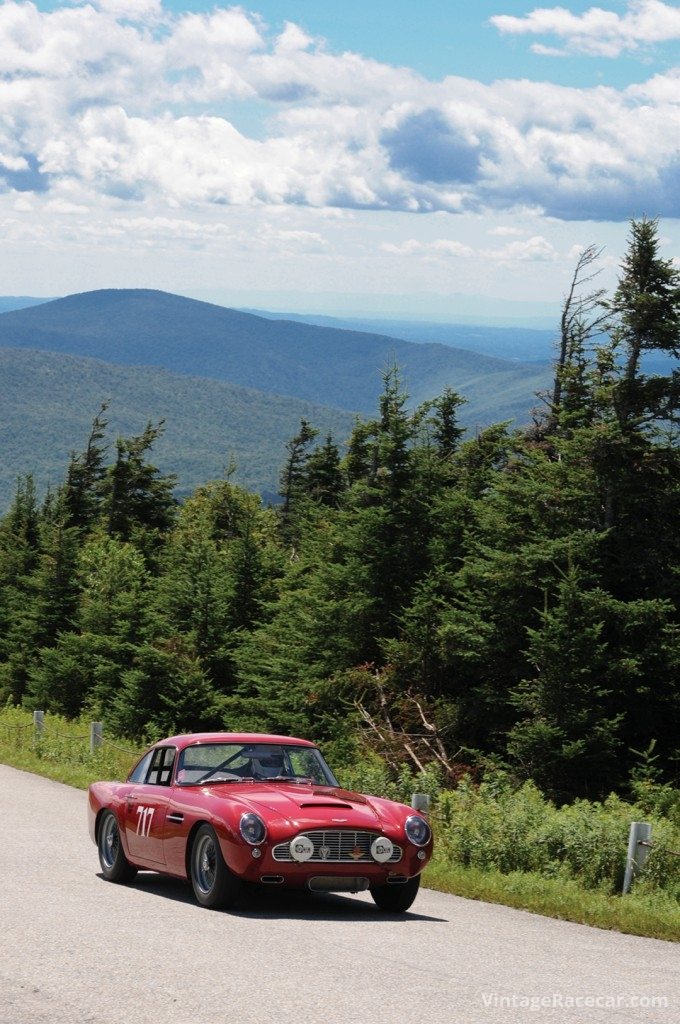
(596, 32)
(535, 249)
(126, 102)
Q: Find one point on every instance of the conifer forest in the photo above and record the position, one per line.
(502, 597)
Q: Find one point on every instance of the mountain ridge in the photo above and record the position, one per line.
(333, 367)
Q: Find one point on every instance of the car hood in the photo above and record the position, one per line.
(318, 806)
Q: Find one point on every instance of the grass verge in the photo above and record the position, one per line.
(654, 915)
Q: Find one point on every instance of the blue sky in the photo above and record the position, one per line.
(424, 159)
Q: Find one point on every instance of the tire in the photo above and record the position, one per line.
(114, 864)
(213, 883)
(396, 899)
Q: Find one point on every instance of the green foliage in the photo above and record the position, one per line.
(509, 598)
(497, 826)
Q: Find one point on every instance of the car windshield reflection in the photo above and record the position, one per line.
(207, 763)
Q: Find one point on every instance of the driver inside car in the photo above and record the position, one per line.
(268, 767)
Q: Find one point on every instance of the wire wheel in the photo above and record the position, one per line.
(205, 858)
(109, 842)
(213, 883)
(114, 864)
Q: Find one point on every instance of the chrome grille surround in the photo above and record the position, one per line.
(340, 843)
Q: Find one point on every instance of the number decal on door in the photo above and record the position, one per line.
(144, 818)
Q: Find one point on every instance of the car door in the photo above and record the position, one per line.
(146, 808)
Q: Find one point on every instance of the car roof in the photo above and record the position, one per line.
(189, 739)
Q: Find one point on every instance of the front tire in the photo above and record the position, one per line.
(397, 898)
(213, 883)
(114, 864)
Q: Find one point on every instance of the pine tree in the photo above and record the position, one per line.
(646, 318)
(82, 493)
(293, 478)
(138, 500)
(569, 738)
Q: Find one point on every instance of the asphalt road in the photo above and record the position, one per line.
(75, 949)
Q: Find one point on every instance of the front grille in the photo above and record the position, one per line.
(336, 847)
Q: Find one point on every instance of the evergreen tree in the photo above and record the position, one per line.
(82, 493)
(646, 318)
(324, 481)
(569, 739)
(293, 479)
(138, 500)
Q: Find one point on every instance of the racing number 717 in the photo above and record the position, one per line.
(144, 818)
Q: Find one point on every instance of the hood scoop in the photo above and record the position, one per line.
(326, 803)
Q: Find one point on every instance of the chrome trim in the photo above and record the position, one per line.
(176, 819)
(335, 846)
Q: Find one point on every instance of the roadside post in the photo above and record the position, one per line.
(421, 802)
(96, 736)
(38, 726)
(639, 840)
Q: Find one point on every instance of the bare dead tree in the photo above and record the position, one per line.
(583, 316)
(395, 741)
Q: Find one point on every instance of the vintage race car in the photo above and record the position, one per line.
(221, 809)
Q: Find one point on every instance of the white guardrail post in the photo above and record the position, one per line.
(96, 736)
(38, 726)
(421, 802)
(639, 837)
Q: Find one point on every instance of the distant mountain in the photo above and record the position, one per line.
(49, 400)
(524, 344)
(518, 343)
(338, 368)
(9, 302)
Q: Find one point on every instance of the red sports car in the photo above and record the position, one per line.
(221, 809)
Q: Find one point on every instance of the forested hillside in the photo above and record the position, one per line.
(49, 399)
(330, 367)
(508, 598)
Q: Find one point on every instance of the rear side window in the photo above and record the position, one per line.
(161, 766)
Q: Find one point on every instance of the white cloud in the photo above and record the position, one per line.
(441, 247)
(535, 249)
(597, 32)
(124, 103)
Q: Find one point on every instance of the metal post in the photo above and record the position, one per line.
(639, 836)
(421, 802)
(38, 726)
(96, 736)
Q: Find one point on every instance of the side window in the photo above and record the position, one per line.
(161, 766)
(138, 773)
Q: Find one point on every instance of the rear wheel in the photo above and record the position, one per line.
(397, 898)
(114, 864)
(214, 884)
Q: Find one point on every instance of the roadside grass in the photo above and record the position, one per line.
(476, 829)
(63, 752)
(650, 914)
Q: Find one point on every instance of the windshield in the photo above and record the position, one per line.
(248, 762)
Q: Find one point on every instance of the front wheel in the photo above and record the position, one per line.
(397, 898)
(214, 884)
(114, 864)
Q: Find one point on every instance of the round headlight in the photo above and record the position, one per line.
(417, 830)
(253, 829)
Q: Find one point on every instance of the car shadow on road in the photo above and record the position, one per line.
(292, 904)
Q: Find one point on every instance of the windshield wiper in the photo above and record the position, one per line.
(217, 782)
(299, 779)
